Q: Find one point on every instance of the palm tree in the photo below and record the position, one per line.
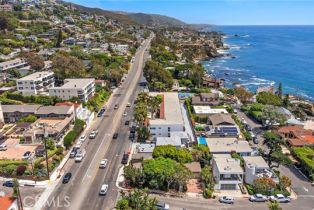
(154, 103)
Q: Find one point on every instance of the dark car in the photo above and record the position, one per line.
(125, 158)
(133, 130)
(115, 135)
(101, 112)
(131, 136)
(116, 106)
(73, 153)
(127, 122)
(67, 177)
(8, 184)
(248, 127)
(255, 140)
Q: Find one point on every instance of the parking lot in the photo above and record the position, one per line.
(15, 151)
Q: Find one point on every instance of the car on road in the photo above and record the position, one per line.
(255, 140)
(248, 127)
(116, 106)
(8, 183)
(125, 158)
(79, 156)
(101, 112)
(127, 122)
(82, 138)
(27, 155)
(132, 136)
(226, 199)
(73, 153)
(128, 104)
(67, 177)
(162, 206)
(93, 134)
(3, 147)
(258, 198)
(133, 129)
(280, 198)
(115, 135)
(103, 163)
(103, 189)
(125, 114)
(78, 145)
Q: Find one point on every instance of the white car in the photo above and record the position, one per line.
(103, 189)
(27, 155)
(258, 198)
(103, 163)
(79, 156)
(125, 114)
(280, 198)
(162, 206)
(128, 104)
(3, 147)
(93, 134)
(226, 199)
(78, 145)
(82, 138)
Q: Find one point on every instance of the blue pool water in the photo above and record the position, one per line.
(201, 140)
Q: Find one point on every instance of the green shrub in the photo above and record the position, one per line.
(59, 151)
(208, 193)
(70, 138)
(4, 163)
(250, 189)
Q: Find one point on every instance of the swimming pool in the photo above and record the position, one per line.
(201, 140)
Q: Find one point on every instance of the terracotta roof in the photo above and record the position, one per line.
(308, 138)
(288, 129)
(6, 201)
(68, 103)
(297, 142)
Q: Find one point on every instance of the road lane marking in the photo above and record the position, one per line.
(305, 189)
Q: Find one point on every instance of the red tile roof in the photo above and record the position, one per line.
(68, 103)
(5, 202)
(288, 129)
(297, 142)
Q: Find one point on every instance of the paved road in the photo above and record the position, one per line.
(82, 190)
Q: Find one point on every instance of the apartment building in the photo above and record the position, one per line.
(15, 63)
(170, 117)
(83, 89)
(227, 171)
(36, 83)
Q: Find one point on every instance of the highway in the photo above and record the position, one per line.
(82, 190)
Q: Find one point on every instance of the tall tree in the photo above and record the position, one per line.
(34, 60)
(66, 66)
(136, 200)
(285, 101)
(59, 38)
(285, 181)
(280, 90)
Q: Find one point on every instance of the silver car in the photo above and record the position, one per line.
(258, 198)
(226, 199)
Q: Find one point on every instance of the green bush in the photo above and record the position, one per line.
(181, 155)
(4, 163)
(305, 155)
(268, 98)
(59, 151)
(250, 189)
(208, 193)
(70, 138)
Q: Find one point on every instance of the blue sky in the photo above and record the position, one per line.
(218, 12)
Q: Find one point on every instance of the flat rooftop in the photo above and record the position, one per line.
(227, 145)
(37, 75)
(75, 83)
(256, 161)
(170, 109)
(228, 164)
(208, 110)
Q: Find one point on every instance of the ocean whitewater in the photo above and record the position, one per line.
(266, 55)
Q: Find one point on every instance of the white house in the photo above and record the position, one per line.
(83, 89)
(227, 171)
(15, 63)
(256, 167)
(170, 118)
(228, 145)
(36, 83)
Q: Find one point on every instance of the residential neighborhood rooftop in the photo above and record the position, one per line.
(75, 83)
(228, 164)
(227, 145)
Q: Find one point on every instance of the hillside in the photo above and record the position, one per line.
(155, 20)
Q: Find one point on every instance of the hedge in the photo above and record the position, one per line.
(70, 138)
(305, 155)
(4, 163)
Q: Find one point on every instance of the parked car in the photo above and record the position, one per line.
(93, 134)
(258, 198)
(8, 183)
(3, 147)
(79, 156)
(116, 106)
(103, 163)
(133, 129)
(73, 153)
(103, 189)
(128, 104)
(26, 155)
(127, 122)
(125, 114)
(101, 112)
(77, 145)
(132, 136)
(125, 158)
(255, 140)
(162, 206)
(248, 127)
(67, 177)
(82, 138)
(226, 199)
(280, 198)
(115, 136)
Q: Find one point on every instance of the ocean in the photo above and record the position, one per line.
(267, 55)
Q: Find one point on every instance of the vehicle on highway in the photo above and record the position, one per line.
(93, 134)
(103, 189)
(226, 199)
(115, 135)
(133, 129)
(27, 155)
(125, 158)
(78, 145)
(101, 112)
(128, 104)
(103, 163)
(258, 198)
(73, 153)
(280, 198)
(79, 156)
(8, 183)
(255, 140)
(132, 136)
(116, 106)
(312, 184)
(82, 138)
(127, 122)
(162, 206)
(67, 177)
(3, 147)
(248, 127)
(125, 114)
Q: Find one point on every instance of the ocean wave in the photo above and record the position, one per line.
(245, 36)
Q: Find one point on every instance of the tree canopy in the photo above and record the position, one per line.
(181, 155)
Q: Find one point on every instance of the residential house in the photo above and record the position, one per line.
(83, 89)
(177, 139)
(212, 82)
(208, 99)
(13, 113)
(296, 135)
(228, 146)
(195, 168)
(36, 83)
(256, 167)
(222, 125)
(55, 112)
(207, 110)
(227, 172)
(6, 7)
(170, 116)
(11, 64)
(8, 203)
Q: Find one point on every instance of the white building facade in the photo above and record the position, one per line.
(15, 63)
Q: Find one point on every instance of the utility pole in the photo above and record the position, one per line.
(46, 152)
